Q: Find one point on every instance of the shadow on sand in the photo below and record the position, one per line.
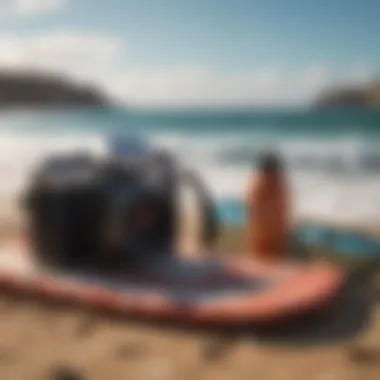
(344, 320)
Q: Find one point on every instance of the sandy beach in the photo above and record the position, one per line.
(37, 340)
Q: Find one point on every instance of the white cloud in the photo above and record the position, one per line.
(82, 55)
(100, 59)
(362, 72)
(197, 86)
(33, 7)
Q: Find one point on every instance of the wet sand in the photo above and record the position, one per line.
(344, 344)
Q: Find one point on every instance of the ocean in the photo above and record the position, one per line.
(332, 156)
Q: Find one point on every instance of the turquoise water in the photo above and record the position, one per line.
(332, 157)
(293, 123)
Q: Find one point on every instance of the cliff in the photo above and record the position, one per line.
(31, 90)
(352, 97)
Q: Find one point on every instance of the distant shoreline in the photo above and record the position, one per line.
(366, 97)
(28, 90)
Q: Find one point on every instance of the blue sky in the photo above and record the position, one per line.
(281, 49)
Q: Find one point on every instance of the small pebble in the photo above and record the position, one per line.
(66, 373)
(216, 349)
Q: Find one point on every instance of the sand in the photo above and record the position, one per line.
(37, 340)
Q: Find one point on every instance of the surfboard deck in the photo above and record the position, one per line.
(193, 291)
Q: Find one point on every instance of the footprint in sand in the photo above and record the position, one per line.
(364, 355)
(7, 355)
(85, 327)
(131, 350)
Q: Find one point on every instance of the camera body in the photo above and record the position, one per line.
(84, 212)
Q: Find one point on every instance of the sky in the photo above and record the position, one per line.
(198, 52)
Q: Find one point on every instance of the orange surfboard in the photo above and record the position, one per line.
(231, 292)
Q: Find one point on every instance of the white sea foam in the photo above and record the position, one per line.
(331, 179)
